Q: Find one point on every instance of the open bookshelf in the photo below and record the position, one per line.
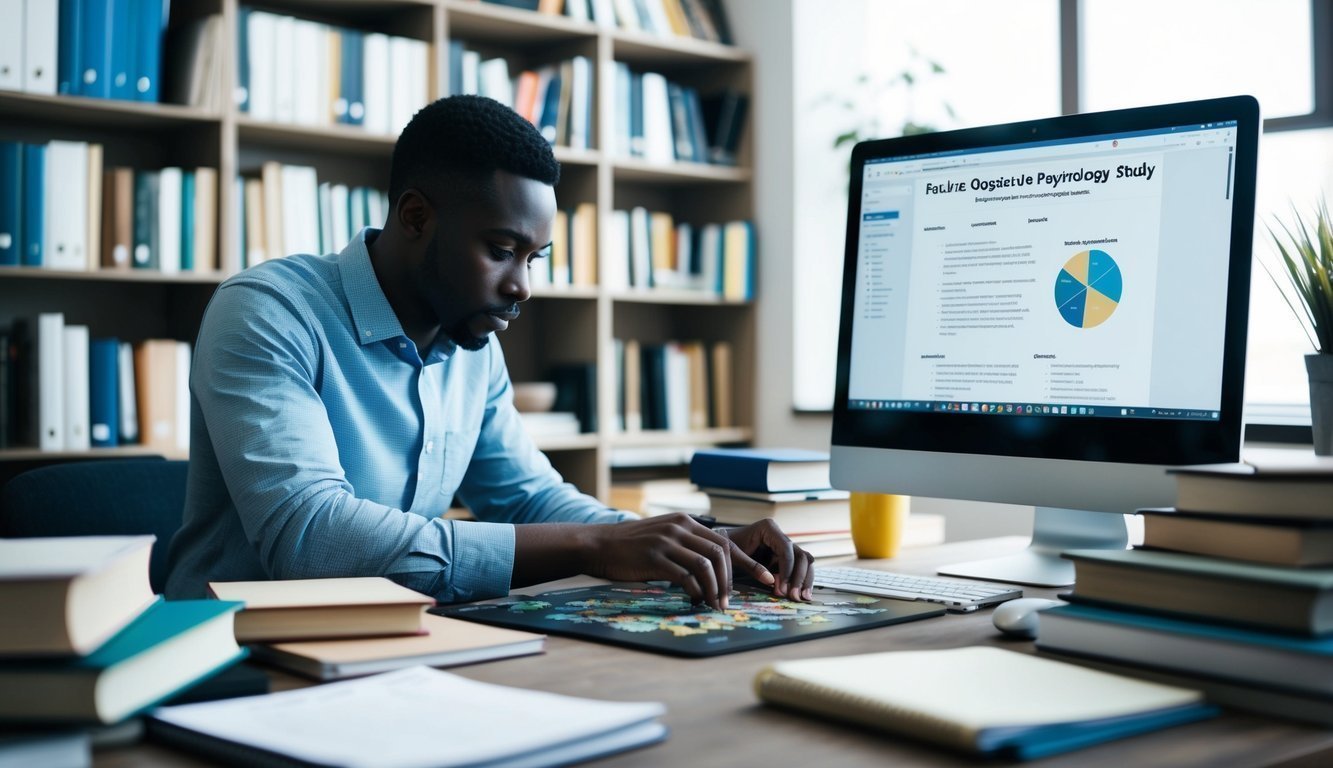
(562, 324)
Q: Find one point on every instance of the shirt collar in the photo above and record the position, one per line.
(372, 316)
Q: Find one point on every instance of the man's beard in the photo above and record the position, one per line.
(462, 335)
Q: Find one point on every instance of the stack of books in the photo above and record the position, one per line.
(330, 629)
(791, 486)
(85, 639)
(1231, 592)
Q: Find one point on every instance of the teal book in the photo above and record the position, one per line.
(187, 221)
(167, 649)
(1270, 659)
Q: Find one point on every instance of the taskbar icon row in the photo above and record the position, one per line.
(1028, 409)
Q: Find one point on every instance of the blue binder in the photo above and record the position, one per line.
(104, 392)
(69, 47)
(151, 18)
(95, 56)
(11, 204)
(34, 204)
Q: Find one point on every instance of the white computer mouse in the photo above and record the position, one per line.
(1018, 618)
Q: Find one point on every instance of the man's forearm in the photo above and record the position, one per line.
(549, 551)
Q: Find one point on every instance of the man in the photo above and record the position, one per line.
(338, 404)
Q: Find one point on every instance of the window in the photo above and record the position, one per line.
(1092, 55)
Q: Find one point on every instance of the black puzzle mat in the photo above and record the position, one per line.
(663, 620)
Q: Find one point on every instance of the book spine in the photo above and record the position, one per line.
(103, 391)
(11, 203)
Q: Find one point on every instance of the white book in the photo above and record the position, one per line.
(494, 81)
(300, 209)
(262, 32)
(626, 15)
(407, 91)
(342, 225)
(182, 396)
(41, 25)
(310, 81)
(710, 257)
(129, 403)
(603, 13)
(66, 179)
(377, 84)
(49, 386)
(640, 253)
(658, 145)
(393, 720)
(11, 45)
(615, 267)
(285, 72)
(471, 72)
(74, 348)
(685, 254)
(619, 143)
(169, 220)
(657, 18)
(677, 388)
(580, 104)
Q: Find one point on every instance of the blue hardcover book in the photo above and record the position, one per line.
(104, 392)
(349, 74)
(767, 470)
(95, 56)
(187, 221)
(243, 59)
(354, 46)
(171, 646)
(11, 204)
(550, 114)
(69, 47)
(147, 72)
(124, 31)
(636, 140)
(34, 204)
(456, 50)
(1269, 659)
(145, 253)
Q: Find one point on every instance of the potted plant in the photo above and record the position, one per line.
(1307, 260)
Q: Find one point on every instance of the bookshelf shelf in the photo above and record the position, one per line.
(679, 173)
(114, 275)
(565, 328)
(119, 452)
(317, 138)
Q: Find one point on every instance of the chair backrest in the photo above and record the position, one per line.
(99, 498)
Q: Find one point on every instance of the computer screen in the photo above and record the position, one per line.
(1049, 312)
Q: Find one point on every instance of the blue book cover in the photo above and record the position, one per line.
(769, 470)
(104, 392)
(243, 59)
(349, 75)
(187, 221)
(147, 72)
(354, 46)
(144, 254)
(95, 56)
(456, 50)
(124, 29)
(69, 47)
(72, 689)
(1313, 647)
(34, 204)
(11, 204)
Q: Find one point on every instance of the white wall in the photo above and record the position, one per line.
(803, 50)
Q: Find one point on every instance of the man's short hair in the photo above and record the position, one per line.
(462, 141)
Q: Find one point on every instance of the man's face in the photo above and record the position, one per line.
(475, 270)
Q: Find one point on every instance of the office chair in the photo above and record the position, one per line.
(99, 498)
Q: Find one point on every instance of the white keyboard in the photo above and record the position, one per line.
(956, 595)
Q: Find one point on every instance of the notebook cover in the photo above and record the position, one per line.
(661, 619)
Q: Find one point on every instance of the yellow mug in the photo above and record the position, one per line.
(878, 520)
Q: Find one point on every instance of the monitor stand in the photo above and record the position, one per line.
(1053, 531)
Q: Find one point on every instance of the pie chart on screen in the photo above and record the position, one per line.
(1087, 290)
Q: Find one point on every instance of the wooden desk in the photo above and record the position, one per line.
(715, 719)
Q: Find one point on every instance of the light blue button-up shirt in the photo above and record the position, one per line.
(322, 444)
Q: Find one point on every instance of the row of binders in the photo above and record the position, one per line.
(650, 249)
(677, 386)
(288, 210)
(302, 72)
(63, 390)
(662, 121)
(61, 209)
(107, 49)
(699, 19)
(557, 98)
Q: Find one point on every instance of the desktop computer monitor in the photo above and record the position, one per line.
(1048, 313)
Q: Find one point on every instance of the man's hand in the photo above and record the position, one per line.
(672, 547)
